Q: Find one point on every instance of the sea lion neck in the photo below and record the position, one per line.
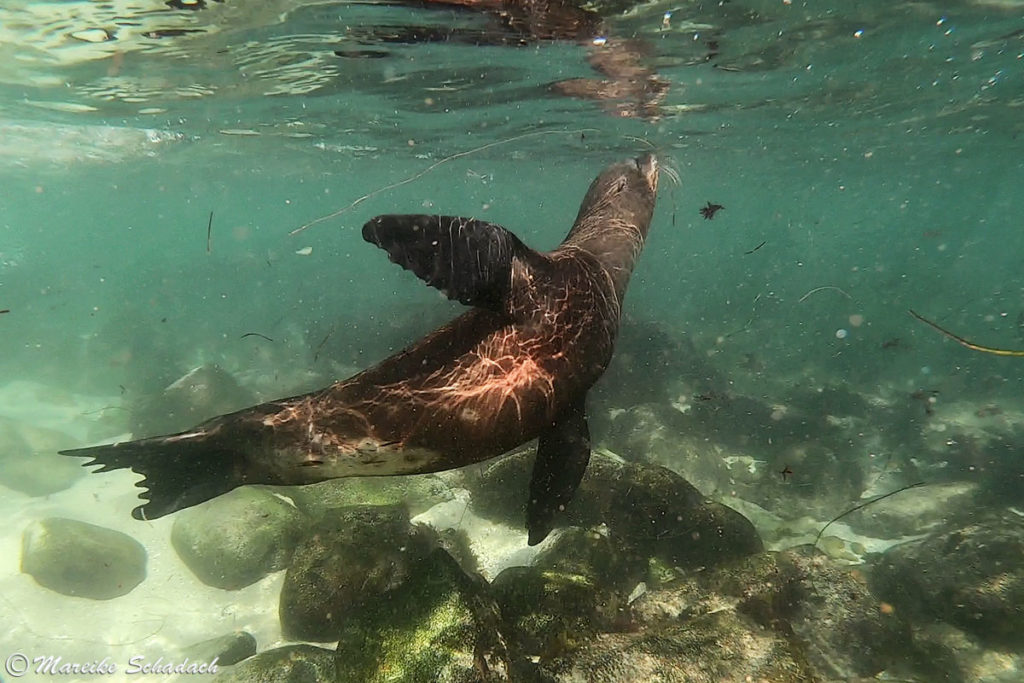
(615, 216)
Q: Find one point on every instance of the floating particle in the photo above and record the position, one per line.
(841, 333)
(305, 251)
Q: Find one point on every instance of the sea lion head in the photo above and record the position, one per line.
(624, 192)
(615, 215)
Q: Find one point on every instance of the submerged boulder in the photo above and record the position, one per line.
(648, 509)
(970, 576)
(724, 648)
(238, 538)
(197, 395)
(439, 625)
(29, 462)
(349, 562)
(80, 559)
(288, 664)
(228, 649)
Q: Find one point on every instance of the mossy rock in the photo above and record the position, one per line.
(289, 664)
(439, 625)
(348, 563)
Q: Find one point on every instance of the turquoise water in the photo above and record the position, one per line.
(868, 156)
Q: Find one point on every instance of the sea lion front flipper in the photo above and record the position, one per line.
(469, 260)
(563, 452)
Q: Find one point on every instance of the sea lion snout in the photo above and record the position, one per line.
(648, 167)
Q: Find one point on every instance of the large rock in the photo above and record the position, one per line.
(970, 576)
(795, 592)
(289, 664)
(29, 462)
(349, 562)
(723, 647)
(236, 539)
(648, 509)
(417, 493)
(226, 650)
(778, 605)
(80, 559)
(197, 395)
(439, 625)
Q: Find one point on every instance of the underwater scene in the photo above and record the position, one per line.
(318, 362)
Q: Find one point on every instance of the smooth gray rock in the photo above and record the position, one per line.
(236, 539)
(82, 560)
(288, 664)
(200, 393)
(228, 649)
(29, 462)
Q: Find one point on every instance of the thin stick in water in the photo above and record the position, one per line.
(864, 505)
(428, 169)
(821, 289)
(209, 232)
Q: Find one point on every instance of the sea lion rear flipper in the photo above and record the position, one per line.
(469, 260)
(563, 452)
(178, 471)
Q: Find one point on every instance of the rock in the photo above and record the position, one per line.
(238, 538)
(648, 509)
(349, 562)
(417, 493)
(792, 594)
(439, 625)
(797, 591)
(289, 664)
(723, 647)
(201, 393)
(228, 649)
(969, 576)
(80, 559)
(29, 462)
(546, 613)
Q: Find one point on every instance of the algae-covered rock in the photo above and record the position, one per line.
(723, 648)
(970, 576)
(439, 625)
(238, 538)
(594, 557)
(647, 508)
(798, 591)
(349, 562)
(289, 664)
(822, 612)
(547, 612)
(228, 649)
(80, 559)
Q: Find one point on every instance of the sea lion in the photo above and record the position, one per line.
(514, 368)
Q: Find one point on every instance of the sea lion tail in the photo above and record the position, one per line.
(178, 471)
